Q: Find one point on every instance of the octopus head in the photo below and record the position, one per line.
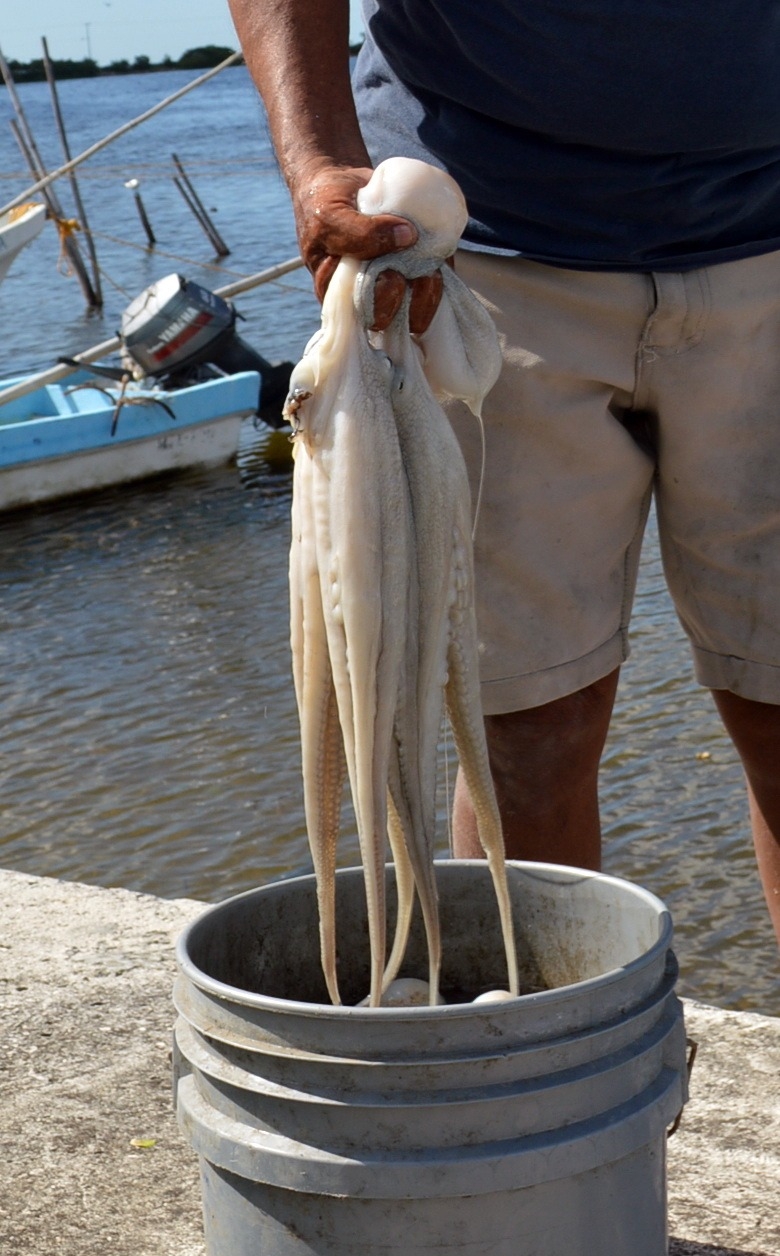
(426, 195)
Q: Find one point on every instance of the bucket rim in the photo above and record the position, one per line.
(538, 999)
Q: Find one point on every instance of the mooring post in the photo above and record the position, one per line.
(196, 205)
(133, 185)
(80, 210)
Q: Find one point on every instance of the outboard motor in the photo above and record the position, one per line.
(178, 331)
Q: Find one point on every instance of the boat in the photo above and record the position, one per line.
(177, 398)
(90, 432)
(18, 227)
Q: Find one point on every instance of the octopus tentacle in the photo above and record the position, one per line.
(321, 745)
(404, 884)
(465, 715)
(405, 810)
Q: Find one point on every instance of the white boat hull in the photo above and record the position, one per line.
(208, 446)
(17, 229)
(55, 444)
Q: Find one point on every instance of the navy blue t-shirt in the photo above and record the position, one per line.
(598, 134)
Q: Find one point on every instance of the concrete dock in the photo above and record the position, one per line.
(93, 1162)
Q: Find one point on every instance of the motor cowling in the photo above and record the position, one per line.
(175, 328)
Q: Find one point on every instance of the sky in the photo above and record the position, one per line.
(114, 30)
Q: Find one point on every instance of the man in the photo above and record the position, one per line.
(622, 167)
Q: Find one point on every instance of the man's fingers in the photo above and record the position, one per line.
(389, 292)
(426, 295)
(323, 272)
(345, 233)
(367, 237)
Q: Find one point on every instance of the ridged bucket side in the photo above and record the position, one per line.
(535, 1126)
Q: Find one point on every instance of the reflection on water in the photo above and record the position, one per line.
(149, 727)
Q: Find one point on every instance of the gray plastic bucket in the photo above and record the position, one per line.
(532, 1127)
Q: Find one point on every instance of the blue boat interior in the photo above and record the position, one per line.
(83, 413)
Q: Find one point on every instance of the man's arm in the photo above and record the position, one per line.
(298, 54)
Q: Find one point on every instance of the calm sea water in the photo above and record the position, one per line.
(149, 730)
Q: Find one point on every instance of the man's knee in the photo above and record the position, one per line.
(571, 730)
(754, 727)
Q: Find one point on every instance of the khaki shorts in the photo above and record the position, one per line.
(615, 388)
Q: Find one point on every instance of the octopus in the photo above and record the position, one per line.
(383, 630)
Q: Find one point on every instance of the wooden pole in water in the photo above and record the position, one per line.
(55, 373)
(80, 210)
(132, 184)
(36, 161)
(199, 209)
(145, 223)
(45, 180)
(199, 218)
(70, 248)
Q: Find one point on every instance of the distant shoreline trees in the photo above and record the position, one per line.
(194, 59)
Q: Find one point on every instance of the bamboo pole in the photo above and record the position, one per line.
(80, 210)
(199, 209)
(200, 218)
(69, 246)
(35, 160)
(263, 276)
(115, 135)
(55, 373)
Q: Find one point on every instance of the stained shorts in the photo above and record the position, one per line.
(616, 388)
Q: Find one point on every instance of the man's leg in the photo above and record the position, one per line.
(545, 764)
(754, 727)
(709, 370)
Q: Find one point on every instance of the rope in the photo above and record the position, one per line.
(188, 261)
(128, 295)
(239, 168)
(66, 228)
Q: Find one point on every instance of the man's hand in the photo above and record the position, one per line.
(329, 226)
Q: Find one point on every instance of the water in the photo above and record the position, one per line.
(148, 717)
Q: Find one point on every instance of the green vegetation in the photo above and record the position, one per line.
(195, 59)
(33, 71)
(203, 58)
